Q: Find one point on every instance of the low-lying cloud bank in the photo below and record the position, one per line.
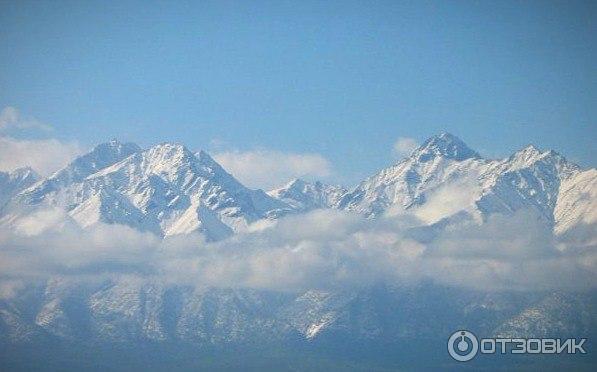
(321, 249)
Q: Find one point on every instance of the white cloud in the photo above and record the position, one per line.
(44, 155)
(404, 146)
(10, 117)
(267, 169)
(323, 249)
(448, 199)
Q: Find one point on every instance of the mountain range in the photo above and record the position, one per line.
(168, 191)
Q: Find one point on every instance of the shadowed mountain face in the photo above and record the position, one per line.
(169, 192)
(11, 183)
(372, 325)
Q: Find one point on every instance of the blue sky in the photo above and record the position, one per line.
(340, 79)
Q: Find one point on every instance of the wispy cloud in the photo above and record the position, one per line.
(448, 199)
(10, 117)
(43, 155)
(267, 169)
(404, 146)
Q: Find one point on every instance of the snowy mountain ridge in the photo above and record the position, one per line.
(165, 189)
(444, 171)
(304, 196)
(168, 190)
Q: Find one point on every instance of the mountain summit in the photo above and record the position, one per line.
(444, 145)
(303, 196)
(165, 189)
(446, 171)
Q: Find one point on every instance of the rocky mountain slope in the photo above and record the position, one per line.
(12, 183)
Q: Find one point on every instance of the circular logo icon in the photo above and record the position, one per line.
(463, 346)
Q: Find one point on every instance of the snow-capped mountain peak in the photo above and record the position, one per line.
(526, 156)
(530, 150)
(165, 189)
(531, 156)
(302, 195)
(440, 160)
(444, 145)
(168, 160)
(444, 170)
(101, 156)
(296, 184)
